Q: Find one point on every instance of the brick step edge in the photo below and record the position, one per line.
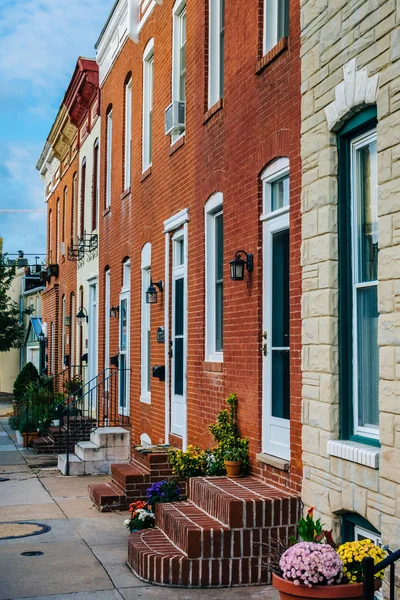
(106, 497)
(153, 558)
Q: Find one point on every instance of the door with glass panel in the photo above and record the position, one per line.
(364, 217)
(123, 400)
(92, 346)
(178, 335)
(275, 336)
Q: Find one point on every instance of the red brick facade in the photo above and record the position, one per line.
(225, 149)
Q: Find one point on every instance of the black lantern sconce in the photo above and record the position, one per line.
(238, 264)
(151, 293)
(82, 316)
(114, 312)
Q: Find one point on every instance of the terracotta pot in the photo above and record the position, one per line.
(348, 591)
(28, 437)
(233, 468)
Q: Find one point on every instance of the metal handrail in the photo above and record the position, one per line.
(370, 570)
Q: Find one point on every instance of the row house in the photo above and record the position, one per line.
(350, 252)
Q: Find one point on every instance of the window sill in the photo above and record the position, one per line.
(146, 399)
(213, 110)
(268, 58)
(126, 193)
(106, 211)
(145, 174)
(178, 144)
(273, 461)
(213, 367)
(361, 454)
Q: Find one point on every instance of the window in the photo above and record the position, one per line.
(128, 134)
(53, 349)
(109, 158)
(358, 269)
(64, 222)
(72, 329)
(58, 231)
(145, 324)
(276, 22)
(95, 194)
(107, 320)
(179, 52)
(216, 10)
(83, 193)
(275, 180)
(63, 315)
(50, 238)
(73, 206)
(148, 84)
(214, 277)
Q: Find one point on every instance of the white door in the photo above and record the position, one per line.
(123, 387)
(32, 355)
(92, 346)
(178, 335)
(276, 349)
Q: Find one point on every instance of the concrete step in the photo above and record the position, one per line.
(87, 450)
(111, 437)
(244, 503)
(76, 465)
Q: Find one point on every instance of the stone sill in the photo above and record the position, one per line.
(106, 211)
(145, 174)
(361, 454)
(178, 144)
(213, 110)
(126, 193)
(268, 58)
(273, 461)
(215, 367)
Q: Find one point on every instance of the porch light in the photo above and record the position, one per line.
(238, 263)
(114, 312)
(82, 316)
(41, 337)
(151, 293)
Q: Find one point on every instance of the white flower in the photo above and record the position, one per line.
(126, 522)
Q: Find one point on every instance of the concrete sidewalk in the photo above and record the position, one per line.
(84, 553)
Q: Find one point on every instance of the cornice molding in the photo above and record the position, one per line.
(82, 90)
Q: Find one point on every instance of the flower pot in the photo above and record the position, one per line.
(233, 468)
(347, 591)
(28, 437)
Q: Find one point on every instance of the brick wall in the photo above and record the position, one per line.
(259, 121)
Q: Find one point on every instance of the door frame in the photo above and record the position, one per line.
(92, 338)
(124, 410)
(274, 223)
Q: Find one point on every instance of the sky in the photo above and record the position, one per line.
(40, 41)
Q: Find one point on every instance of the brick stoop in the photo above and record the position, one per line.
(222, 536)
(129, 482)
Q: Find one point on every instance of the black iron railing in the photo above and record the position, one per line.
(95, 404)
(370, 570)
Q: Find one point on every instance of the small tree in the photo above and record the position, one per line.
(26, 377)
(11, 328)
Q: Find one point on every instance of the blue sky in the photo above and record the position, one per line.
(40, 41)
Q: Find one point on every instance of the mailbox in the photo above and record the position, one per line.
(159, 372)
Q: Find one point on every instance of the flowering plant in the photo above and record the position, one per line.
(163, 491)
(352, 555)
(310, 563)
(312, 531)
(74, 384)
(141, 516)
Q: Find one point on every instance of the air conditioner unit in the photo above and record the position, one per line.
(175, 117)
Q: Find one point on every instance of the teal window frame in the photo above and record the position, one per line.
(361, 123)
(351, 520)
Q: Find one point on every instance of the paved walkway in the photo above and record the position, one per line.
(84, 553)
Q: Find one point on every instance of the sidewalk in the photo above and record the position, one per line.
(84, 553)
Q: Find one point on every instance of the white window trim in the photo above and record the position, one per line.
(179, 7)
(145, 395)
(126, 276)
(58, 232)
(214, 52)
(355, 144)
(109, 158)
(276, 170)
(176, 220)
(267, 46)
(213, 206)
(148, 71)
(128, 134)
(107, 319)
(64, 312)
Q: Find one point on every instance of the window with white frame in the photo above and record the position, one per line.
(275, 179)
(128, 134)
(58, 232)
(148, 85)
(276, 22)
(107, 319)
(179, 51)
(145, 325)
(109, 158)
(214, 229)
(216, 32)
(63, 315)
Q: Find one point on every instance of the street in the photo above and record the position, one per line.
(84, 553)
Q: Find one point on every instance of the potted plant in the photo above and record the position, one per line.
(233, 462)
(315, 568)
(163, 491)
(141, 517)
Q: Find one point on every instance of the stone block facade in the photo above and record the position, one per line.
(349, 60)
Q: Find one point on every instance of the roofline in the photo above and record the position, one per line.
(106, 24)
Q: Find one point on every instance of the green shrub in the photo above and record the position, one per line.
(29, 374)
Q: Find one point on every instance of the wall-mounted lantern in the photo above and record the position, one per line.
(82, 316)
(151, 293)
(238, 264)
(114, 312)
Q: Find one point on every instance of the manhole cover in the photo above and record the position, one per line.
(17, 529)
(4, 479)
(33, 553)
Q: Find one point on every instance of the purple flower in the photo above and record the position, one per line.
(309, 563)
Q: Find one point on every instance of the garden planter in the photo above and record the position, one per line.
(29, 437)
(19, 437)
(233, 468)
(348, 591)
